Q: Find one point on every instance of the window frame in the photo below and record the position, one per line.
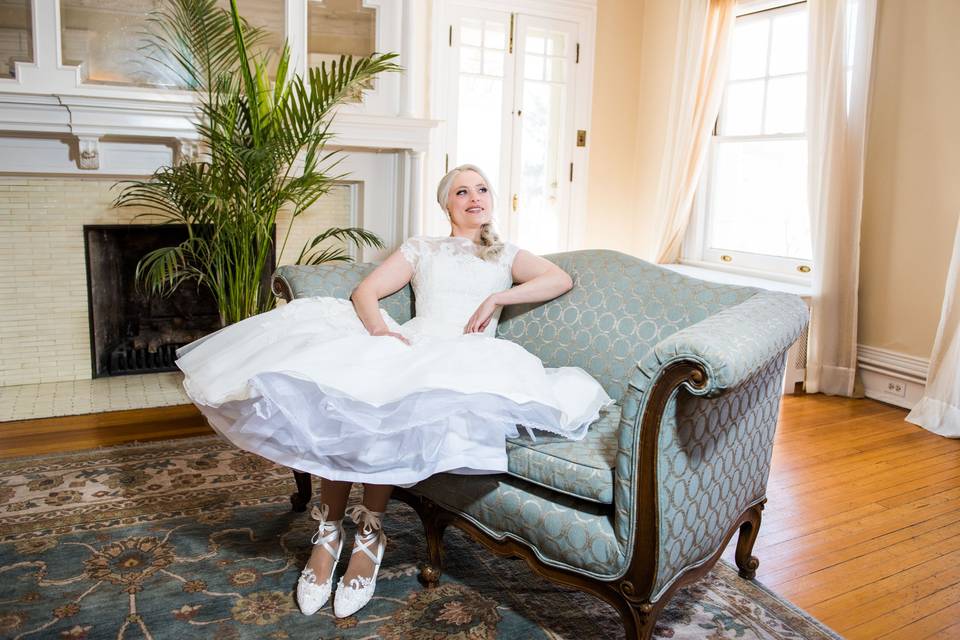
(697, 249)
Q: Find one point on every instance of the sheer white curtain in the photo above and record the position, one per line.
(706, 30)
(939, 409)
(840, 58)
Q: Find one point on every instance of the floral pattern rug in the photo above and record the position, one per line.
(195, 539)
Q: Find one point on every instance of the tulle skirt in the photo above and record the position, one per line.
(307, 387)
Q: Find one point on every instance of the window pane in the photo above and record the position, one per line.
(540, 214)
(268, 15)
(471, 32)
(789, 44)
(334, 27)
(493, 62)
(555, 43)
(16, 35)
(479, 138)
(749, 56)
(786, 105)
(496, 36)
(743, 109)
(556, 69)
(470, 60)
(759, 198)
(533, 67)
(106, 40)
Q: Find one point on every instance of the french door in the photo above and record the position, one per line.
(511, 112)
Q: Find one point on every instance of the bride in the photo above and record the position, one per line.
(342, 391)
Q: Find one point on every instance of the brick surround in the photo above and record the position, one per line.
(44, 330)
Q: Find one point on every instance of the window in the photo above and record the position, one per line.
(751, 210)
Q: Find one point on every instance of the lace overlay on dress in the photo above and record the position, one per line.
(450, 281)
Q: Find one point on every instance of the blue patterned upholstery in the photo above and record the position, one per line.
(626, 322)
(583, 468)
(618, 309)
(338, 281)
(562, 530)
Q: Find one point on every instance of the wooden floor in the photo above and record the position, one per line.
(862, 526)
(862, 520)
(69, 433)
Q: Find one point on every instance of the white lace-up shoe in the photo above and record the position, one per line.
(351, 597)
(311, 594)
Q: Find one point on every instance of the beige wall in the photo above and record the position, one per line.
(636, 47)
(912, 182)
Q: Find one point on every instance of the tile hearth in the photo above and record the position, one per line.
(49, 399)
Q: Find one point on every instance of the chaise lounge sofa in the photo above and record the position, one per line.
(649, 500)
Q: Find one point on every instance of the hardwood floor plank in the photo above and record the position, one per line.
(69, 433)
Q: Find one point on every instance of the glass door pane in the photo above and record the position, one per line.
(106, 39)
(16, 35)
(481, 80)
(543, 129)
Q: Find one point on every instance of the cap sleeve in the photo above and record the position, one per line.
(410, 249)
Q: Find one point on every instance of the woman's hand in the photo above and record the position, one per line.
(386, 332)
(481, 317)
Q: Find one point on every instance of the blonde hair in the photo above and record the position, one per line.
(490, 243)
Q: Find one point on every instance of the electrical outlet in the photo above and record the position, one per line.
(896, 388)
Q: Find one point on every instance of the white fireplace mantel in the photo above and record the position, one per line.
(54, 123)
(152, 121)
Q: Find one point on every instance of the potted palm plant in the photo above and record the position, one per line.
(262, 144)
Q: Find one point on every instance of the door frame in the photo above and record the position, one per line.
(581, 12)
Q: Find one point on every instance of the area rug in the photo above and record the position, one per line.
(194, 539)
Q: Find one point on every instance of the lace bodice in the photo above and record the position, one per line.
(450, 281)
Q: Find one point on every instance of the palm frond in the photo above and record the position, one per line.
(310, 254)
(264, 152)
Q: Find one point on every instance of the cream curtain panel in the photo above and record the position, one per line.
(839, 56)
(939, 409)
(706, 29)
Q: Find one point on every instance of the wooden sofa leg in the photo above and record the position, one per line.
(301, 498)
(434, 525)
(639, 618)
(746, 562)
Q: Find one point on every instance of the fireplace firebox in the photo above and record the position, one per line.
(131, 330)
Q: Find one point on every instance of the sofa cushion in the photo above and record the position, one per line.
(582, 468)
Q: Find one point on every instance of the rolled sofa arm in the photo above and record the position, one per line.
(733, 344)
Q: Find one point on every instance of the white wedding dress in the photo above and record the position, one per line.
(307, 387)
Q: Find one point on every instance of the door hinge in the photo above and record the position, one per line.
(450, 37)
(510, 50)
(446, 162)
(516, 201)
(577, 61)
(571, 172)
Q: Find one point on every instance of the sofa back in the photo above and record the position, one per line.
(338, 280)
(618, 309)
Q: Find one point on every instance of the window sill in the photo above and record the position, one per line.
(725, 276)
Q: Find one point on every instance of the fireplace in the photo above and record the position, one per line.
(131, 330)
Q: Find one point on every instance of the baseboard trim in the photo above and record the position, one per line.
(891, 377)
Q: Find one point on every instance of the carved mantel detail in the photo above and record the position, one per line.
(88, 156)
(187, 151)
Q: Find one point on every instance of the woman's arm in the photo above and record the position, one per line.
(391, 276)
(538, 280)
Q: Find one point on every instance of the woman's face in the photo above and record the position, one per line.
(468, 202)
